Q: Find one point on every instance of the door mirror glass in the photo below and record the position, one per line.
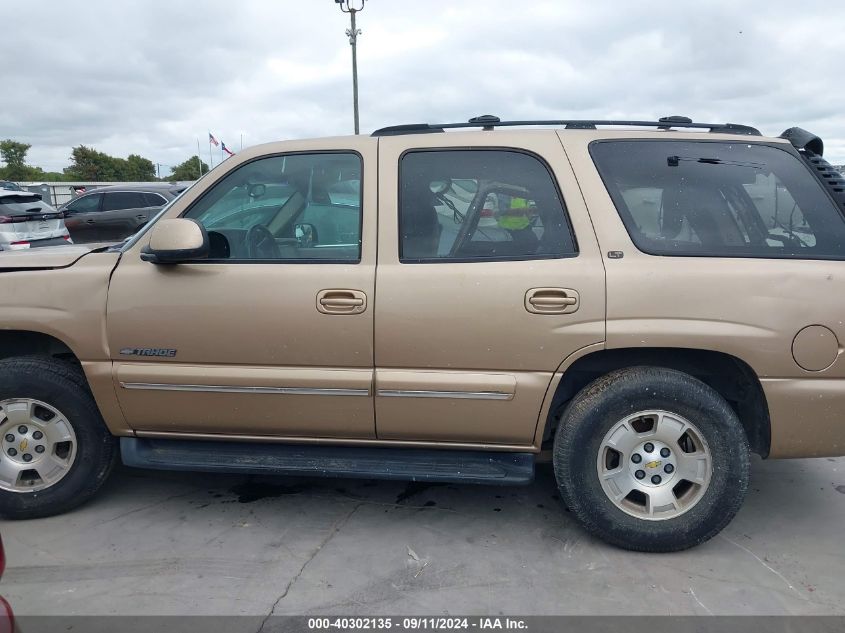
(176, 240)
(257, 191)
(306, 235)
(440, 186)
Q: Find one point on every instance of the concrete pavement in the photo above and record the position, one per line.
(173, 543)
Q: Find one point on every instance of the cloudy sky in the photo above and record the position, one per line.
(151, 77)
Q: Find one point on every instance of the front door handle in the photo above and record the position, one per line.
(551, 300)
(89, 221)
(341, 301)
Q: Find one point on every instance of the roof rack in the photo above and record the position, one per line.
(488, 122)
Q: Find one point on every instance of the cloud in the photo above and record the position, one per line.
(151, 77)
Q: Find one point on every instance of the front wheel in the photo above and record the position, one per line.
(56, 450)
(651, 459)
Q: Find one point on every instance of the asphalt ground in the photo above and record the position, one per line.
(175, 543)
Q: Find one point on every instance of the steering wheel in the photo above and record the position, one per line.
(260, 243)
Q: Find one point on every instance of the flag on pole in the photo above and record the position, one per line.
(226, 149)
(212, 140)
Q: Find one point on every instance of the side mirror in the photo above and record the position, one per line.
(440, 186)
(176, 240)
(257, 191)
(306, 234)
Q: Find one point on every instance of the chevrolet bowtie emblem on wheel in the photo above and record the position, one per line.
(24, 444)
(653, 464)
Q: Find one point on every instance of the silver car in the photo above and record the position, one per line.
(28, 222)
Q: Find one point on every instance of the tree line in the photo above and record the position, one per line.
(89, 165)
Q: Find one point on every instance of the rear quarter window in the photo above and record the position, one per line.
(706, 198)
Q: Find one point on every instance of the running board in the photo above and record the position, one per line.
(407, 464)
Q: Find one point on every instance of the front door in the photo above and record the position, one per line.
(82, 216)
(489, 277)
(273, 334)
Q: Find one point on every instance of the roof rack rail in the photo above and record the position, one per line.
(489, 121)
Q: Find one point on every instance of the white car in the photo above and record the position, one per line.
(26, 221)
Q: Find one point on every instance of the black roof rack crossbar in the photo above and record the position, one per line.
(488, 122)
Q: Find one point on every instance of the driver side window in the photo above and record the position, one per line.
(293, 208)
(85, 204)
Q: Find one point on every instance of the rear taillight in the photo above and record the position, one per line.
(66, 238)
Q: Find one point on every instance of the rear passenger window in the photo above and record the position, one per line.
(124, 200)
(719, 199)
(480, 205)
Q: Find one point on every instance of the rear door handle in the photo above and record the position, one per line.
(341, 301)
(551, 300)
(89, 221)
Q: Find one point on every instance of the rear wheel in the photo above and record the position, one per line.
(55, 451)
(651, 459)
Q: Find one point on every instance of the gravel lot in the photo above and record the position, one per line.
(172, 543)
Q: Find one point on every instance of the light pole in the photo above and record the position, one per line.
(351, 7)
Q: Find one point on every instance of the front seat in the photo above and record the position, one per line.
(419, 224)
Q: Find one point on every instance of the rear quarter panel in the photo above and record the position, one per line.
(749, 308)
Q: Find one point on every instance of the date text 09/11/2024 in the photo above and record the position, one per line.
(416, 623)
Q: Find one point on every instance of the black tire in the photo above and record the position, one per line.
(609, 399)
(62, 386)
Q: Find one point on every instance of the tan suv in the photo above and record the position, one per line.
(642, 303)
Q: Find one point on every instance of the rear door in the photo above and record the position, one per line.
(123, 213)
(489, 277)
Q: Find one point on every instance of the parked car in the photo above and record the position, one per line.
(7, 617)
(661, 300)
(5, 184)
(26, 221)
(110, 214)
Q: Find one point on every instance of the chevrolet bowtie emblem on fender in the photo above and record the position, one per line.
(653, 464)
(24, 444)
